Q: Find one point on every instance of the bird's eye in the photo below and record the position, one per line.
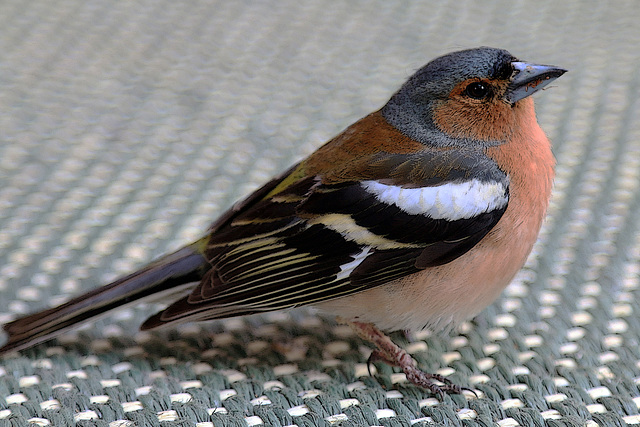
(477, 90)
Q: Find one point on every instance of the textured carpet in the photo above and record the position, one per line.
(126, 127)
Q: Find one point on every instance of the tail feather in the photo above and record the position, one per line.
(168, 274)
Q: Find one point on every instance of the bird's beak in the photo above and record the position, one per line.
(530, 78)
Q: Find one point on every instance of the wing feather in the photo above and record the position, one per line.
(304, 239)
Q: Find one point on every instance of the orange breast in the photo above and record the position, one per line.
(440, 296)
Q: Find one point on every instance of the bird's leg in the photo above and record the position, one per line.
(390, 353)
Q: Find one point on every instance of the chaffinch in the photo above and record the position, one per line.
(416, 216)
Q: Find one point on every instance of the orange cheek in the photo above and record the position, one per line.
(485, 122)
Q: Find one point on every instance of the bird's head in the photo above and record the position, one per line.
(467, 97)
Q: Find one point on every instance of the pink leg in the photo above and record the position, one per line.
(388, 352)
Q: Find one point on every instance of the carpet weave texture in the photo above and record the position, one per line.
(127, 127)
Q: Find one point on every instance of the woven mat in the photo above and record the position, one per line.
(126, 127)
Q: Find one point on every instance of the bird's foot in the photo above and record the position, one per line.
(417, 376)
(390, 353)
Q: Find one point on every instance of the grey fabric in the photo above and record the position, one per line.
(126, 127)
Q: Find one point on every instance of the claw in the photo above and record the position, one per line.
(377, 356)
(369, 362)
(426, 380)
(387, 351)
(470, 391)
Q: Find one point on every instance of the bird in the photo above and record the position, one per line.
(414, 217)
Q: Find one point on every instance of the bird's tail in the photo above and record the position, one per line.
(167, 275)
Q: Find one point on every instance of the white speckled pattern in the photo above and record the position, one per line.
(127, 126)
